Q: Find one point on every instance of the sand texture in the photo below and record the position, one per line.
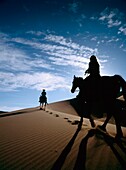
(33, 139)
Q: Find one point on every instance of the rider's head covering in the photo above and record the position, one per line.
(93, 57)
(43, 89)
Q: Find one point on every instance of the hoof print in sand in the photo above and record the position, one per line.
(66, 118)
(75, 122)
(57, 115)
(69, 121)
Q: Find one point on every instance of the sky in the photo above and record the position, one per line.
(44, 43)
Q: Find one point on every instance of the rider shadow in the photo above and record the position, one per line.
(61, 159)
(81, 157)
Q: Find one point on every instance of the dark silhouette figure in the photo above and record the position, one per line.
(94, 73)
(43, 100)
(104, 95)
(94, 68)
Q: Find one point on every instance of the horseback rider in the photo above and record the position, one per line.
(93, 68)
(43, 98)
(93, 81)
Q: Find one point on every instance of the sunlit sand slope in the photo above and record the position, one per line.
(51, 139)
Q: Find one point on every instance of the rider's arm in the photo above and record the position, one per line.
(87, 71)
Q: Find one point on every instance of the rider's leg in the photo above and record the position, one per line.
(42, 105)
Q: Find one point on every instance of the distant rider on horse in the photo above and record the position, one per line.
(43, 99)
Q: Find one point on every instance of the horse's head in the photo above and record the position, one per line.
(77, 82)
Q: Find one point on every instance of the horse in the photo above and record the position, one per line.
(43, 102)
(102, 92)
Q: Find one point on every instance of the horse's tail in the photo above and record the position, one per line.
(122, 84)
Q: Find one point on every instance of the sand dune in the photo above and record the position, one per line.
(52, 139)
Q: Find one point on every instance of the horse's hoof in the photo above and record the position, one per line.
(118, 136)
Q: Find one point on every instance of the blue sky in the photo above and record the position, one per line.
(43, 44)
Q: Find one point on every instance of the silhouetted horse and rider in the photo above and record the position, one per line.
(102, 91)
(43, 100)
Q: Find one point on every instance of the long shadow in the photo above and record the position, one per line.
(61, 159)
(111, 142)
(81, 158)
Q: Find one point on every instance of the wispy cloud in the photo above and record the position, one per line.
(16, 59)
(59, 47)
(13, 81)
(73, 7)
(33, 63)
(111, 17)
(94, 38)
(122, 29)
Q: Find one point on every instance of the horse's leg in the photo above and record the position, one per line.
(44, 105)
(91, 121)
(118, 125)
(40, 106)
(80, 123)
(116, 115)
(103, 126)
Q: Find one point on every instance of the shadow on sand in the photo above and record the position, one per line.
(60, 161)
(81, 159)
(115, 145)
